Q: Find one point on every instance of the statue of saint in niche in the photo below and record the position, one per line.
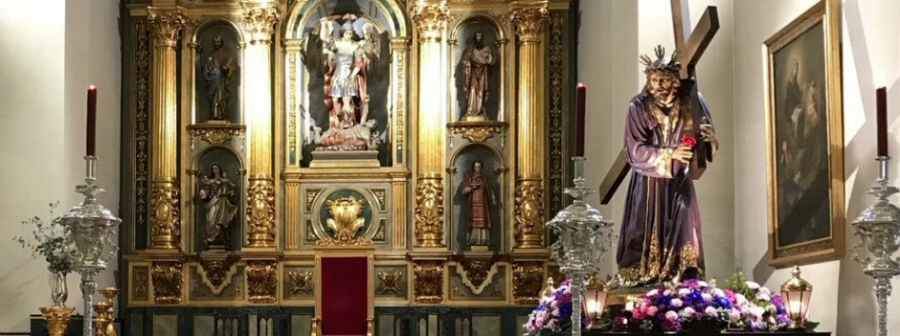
(477, 61)
(218, 70)
(480, 197)
(348, 54)
(220, 198)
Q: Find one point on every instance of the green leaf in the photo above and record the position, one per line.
(811, 326)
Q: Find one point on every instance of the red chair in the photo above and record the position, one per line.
(345, 292)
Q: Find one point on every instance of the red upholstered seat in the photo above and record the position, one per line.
(344, 295)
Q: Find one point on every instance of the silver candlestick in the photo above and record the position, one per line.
(581, 244)
(879, 230)
(91, 229)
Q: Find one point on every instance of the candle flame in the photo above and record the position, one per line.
(91, 87)
(581, 85)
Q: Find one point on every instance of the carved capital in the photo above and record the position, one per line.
(167, 282)
(528, 279)
(428, 285)
(429, 213)
(261, 213)
(165, 215)
(529, 213)
(167, 25)
(259, 22)
(430, 20)
(530, 21)
(262, 281)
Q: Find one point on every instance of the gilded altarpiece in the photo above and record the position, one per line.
(434, 131)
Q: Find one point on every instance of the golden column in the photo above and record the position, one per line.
(530, 18)
(259, 25)
(430, 17)
(165, 213)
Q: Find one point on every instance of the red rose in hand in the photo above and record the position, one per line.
(688, 141)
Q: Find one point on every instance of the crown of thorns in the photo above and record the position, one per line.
(662, 63)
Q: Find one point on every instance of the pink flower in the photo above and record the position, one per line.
(711, 311)
(740, 299)
(688, 311)
(652, 310)
(676, 303)
(729, 294)
(667, 292)
(671, 315)
(637, 314)
(735, 314)
(682, 292)
(703, 284)
(653, 292)
(706, 297)
(551, 324)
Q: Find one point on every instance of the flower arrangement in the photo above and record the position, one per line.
(49, 241)
(696, 304)
(553, 314)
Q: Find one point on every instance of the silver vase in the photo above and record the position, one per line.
(59, 289)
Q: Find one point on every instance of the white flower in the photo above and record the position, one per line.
(717, 292)
(629, 306)
(764, 291)
(757, 312)
(740, 299)
(706, 297)
(671, 315)
(735, 314)
(711, 311)
(688, 311)
(653, 292)
(763, 297)
(752, 285)
(676, 303)
(684, 292)
(703, 284)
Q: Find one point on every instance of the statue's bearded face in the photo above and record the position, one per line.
(661, 85)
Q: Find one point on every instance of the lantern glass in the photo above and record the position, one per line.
(595, 301)
(796, 293)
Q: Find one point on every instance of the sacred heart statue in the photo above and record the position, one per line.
(345, 218)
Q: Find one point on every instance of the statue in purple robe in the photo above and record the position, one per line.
(660, 234)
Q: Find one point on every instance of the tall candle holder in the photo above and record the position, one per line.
(582, 244)
(879, 230)
(91, 228)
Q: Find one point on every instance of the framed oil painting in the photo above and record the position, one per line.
(804, 132)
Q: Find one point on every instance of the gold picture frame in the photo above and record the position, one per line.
(804, 138)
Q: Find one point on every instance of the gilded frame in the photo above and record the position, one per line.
(825, 15)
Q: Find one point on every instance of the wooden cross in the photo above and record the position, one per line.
(689, 47)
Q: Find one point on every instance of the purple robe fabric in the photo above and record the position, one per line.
(660, 234)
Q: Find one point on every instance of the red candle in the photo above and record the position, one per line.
(881, 117)
(580, 95)
(92, 121)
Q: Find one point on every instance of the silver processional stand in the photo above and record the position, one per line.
(879, 230)
(581, 244)
(91, 229)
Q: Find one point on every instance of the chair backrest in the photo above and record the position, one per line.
(275, 321)
(344, 295)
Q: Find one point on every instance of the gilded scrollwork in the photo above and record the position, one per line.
(476, 274)
(477, 131)
(262, 281)
(528, 280)
(141, 123)
(428, 286)
(529, 213)
(167, 279)
(217, 274)
(429, 213)
(390, 283)
(400, 46)
(165, 219)
(216, 134)
(302, 283)
(430, 20)
(261, 213)
(556, 57)
(345, 221)
(140, 283)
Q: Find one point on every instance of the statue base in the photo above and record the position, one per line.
(475, 117)
(344, 159)
(479, 248)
